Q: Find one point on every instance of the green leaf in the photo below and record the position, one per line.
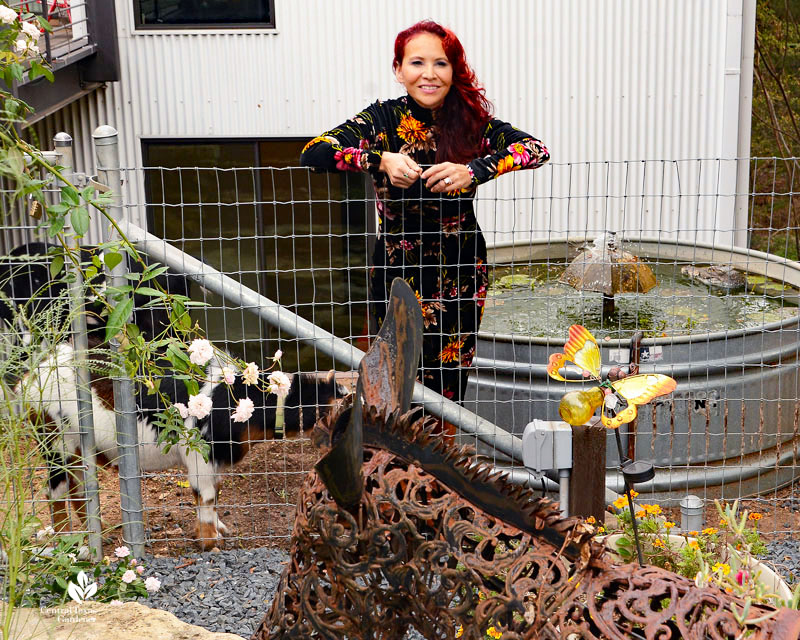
(56, 266)
(58, 209)
(149, 291)
(191, 386)
(56, 225)
(178, 358)
(44, 24)
(90, 273)
(118, 317)
(112, 259)
(62, 584)
(70, 195)
(153, 271)
(80, 221)
(17, 71)
(35, 71)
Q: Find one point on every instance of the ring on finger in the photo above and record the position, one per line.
(448, 181)
(405, 175)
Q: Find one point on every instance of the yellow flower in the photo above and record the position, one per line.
(693, 533)
(755, 516)
(411, 130)
(590, 520)
(668, 525)
(641, 513)
(620, 503)
(601, 530)
(721, 567)
(634, 493)
(493, 633)
(460, 631)
(693, 544)
(710, 531)
(659, 543)
(652, 509)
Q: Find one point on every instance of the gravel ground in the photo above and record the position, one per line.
(225, 591)
(230, 591)
(784, 555)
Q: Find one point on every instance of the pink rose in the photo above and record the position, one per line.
(244, 410)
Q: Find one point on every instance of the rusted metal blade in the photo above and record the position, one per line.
(389, 369)
(385, 381)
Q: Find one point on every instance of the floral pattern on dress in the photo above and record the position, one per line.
(431, 240)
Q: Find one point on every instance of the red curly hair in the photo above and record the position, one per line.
(465, 112)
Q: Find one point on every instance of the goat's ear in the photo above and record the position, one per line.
(331, 376)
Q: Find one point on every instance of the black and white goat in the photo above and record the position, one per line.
(49, 393)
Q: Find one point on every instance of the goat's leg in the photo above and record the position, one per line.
(204, 481)
(58, 489)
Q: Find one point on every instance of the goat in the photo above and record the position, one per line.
(49, 392)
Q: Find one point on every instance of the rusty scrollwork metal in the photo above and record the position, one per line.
(440, 542)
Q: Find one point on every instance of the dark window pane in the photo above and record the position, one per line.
(205, 12)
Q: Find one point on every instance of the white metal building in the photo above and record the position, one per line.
(599, 81)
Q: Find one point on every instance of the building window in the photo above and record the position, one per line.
(204, 13)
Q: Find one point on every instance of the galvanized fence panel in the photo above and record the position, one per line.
(304, 240)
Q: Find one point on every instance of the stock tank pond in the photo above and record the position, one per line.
(729, 337)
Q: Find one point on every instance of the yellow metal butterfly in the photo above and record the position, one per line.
(619, 398)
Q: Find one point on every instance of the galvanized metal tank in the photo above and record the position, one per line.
(734, 414)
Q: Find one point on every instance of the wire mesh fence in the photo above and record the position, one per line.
(722, 318)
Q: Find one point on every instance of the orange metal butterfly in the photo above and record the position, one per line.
(620, 397)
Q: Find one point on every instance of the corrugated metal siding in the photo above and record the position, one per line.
(597, 80)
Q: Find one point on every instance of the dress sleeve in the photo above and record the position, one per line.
(352, 146)
(508, 149)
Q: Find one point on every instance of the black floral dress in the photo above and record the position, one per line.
(431, 240)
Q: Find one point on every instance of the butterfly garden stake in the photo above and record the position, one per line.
(619, 398)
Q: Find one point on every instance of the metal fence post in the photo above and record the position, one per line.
(63, 146)
(106, 143)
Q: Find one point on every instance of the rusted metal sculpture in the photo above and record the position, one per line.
(417, 534)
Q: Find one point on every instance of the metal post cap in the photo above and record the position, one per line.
(62, 139)
(105, 134)
(691, 503)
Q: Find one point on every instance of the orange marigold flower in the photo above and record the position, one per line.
(693, 544)
(710, 531)
(693, 533)
(411, 130)
(668, 525)
(620, 503)
(460, 631)
(591, 520)
(634, 493)
(755, 516)
(451, 352)
(505, 165)
(658, 542)
(652, 509)
(493, 633)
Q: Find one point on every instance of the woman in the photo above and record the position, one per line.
(427, 153)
